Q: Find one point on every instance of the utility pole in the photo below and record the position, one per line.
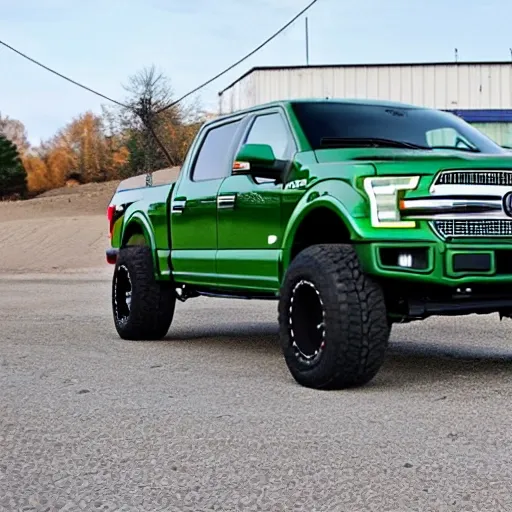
(146, 115)
(307, 42)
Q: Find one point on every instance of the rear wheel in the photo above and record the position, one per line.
(333, 322)
(143, 307)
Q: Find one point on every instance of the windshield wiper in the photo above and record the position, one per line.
(367, 142)
(458, 148)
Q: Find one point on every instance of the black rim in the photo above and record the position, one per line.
(307, 322)
(122, 294)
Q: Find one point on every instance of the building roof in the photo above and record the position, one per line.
(370, 65)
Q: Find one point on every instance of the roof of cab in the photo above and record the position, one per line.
(356, 101)
(346, 101)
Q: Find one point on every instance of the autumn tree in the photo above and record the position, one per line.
(80, 148)
(38, 179)
(61, 162)
(84, 151)
(13, 177)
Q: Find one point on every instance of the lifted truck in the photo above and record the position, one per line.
(352, 214)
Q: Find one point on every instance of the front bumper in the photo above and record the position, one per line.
(420, 280)
(438, 263)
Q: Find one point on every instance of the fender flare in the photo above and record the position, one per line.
(141, 221)
(305, 206)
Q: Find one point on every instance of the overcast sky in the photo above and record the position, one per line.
(102, 42)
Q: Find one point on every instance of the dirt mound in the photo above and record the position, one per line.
(62, 230)
(91, 199)
(96, 189)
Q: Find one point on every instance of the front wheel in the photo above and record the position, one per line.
(332, 318)
(143, 307)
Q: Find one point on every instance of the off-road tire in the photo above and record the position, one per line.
(152, 303)
(353, 336)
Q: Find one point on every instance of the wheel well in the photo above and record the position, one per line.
(134, 235)
(321, 226)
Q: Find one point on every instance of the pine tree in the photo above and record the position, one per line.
(13, 177)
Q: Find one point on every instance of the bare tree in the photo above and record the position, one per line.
(150, 91)
(149, 84)
(162, 136)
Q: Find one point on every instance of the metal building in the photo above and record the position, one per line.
(479, 92)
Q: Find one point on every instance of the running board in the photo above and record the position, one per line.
(244, 296)
(185, 292)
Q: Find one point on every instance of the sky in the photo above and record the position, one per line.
(102, 42)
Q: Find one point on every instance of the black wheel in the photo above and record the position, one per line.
(143, 307)
(332, 318)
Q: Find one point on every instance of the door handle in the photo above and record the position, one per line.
(179, 205)
(226, 201)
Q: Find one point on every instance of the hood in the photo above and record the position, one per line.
(405, 161)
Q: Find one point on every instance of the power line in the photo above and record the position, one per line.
(273, 36)
(146, 121)
(250, 54)
(63, 76)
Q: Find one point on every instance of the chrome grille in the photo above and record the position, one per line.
(490, 178)
(473, 228)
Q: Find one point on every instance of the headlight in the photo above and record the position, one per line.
(384, 194)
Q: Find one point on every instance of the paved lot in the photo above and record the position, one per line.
(210, 419)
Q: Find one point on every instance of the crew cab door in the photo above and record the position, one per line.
(194, 203)
(250, 228)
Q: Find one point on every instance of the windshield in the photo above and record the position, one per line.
(324, 122)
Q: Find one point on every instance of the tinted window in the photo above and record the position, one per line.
(213, 159)
(430, 129)
(271, 129)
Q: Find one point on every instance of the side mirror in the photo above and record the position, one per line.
(257, 160)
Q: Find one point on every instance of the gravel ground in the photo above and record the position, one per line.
(210, 419)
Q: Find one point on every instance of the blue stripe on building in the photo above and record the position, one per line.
(484, 116)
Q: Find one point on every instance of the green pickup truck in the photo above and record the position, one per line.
(352, 214)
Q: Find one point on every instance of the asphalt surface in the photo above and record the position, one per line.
(210, 418)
